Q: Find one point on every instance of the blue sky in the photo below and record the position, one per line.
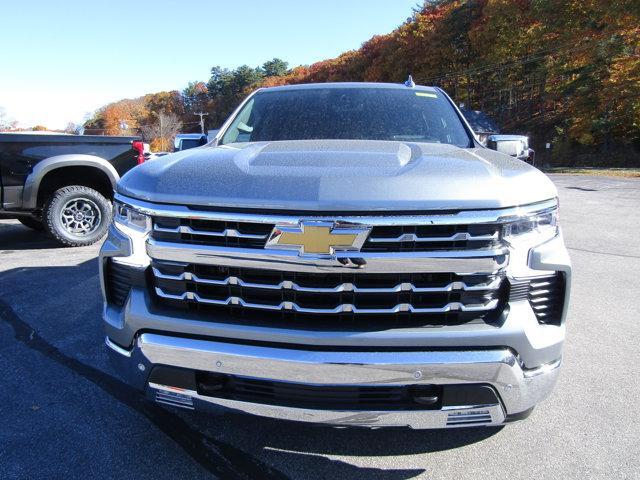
(61, 60)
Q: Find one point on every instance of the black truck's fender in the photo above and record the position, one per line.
(42, 168)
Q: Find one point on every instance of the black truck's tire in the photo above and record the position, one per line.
(77, 215)
(32, 223)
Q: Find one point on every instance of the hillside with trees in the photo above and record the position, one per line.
(564, 72)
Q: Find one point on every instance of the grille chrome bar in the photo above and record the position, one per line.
(229, 232)
(412, 237)
(456, 261)
(343, 287)
(465, 217)
(344, 308)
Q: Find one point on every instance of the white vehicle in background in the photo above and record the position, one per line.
(488, 134)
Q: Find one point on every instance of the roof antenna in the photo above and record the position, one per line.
(410, 83)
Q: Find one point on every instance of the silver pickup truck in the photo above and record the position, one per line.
(340, 253)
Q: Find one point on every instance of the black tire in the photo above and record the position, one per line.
(32, 223)
(77, 216)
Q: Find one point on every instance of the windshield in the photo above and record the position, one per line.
(348, 114)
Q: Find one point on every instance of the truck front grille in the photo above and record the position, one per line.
(323, 300)
(408, 270)
(405, 238)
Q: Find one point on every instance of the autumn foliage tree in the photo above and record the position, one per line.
(140, 116)
(226, 88)
(161, 131)
(565, 72)
(195, 97)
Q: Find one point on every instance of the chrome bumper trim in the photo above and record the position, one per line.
(117, 348)
(542, 369)
(463, 262)
(518, 389)
(452, 417)
(335, 367)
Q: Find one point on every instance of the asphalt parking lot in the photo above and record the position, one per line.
(65, 414)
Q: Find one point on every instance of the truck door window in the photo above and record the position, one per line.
(240, 129)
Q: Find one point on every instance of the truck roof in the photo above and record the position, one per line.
(62, 137)
(191, 135)
(309, 86)
(38, 132)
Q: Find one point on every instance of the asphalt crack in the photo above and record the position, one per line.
(610, 254)
(219, 458)
(583, 189)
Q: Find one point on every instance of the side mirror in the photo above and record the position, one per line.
(514, 145)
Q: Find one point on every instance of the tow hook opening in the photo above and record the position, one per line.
(429, 395)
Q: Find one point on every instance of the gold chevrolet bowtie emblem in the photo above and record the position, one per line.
(317, 238)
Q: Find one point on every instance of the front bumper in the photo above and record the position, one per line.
(517, 390)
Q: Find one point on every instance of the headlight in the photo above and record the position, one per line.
(540, 226)
(127, 217)
(136, 226)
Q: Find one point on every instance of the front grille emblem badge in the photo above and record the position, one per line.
(318, 237)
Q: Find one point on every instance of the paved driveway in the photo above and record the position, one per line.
(65, 414)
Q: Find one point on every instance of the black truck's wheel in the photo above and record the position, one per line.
(32, 223)
(77, 215)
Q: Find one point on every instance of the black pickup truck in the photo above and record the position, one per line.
(64, 183)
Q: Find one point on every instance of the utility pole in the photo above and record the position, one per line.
(202, 115)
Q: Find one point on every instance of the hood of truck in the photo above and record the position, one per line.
(334, 175)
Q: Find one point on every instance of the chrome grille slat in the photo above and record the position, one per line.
(174, 399)
(457, 261)
(344, 287)
(344, 308)
(535, 285)
(470, 418)
(228, 232)
(412, 237)
(538, 300)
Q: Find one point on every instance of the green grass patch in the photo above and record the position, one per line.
(606, 172)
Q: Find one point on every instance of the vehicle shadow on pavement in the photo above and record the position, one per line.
(310, 446)
(228, 445)
(15, 236)
(352, 441)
